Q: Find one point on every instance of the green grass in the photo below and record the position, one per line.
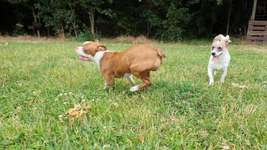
(41, 80)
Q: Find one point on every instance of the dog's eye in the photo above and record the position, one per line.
(219, 48)
(212, 47)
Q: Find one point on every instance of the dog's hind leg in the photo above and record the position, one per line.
(223, 75)
(146, 82)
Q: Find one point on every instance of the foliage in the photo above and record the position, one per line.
(161, 19)
(58, 16)
(175, 24)
(85, 36)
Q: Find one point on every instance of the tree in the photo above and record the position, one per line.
(59, 16)
(33, 6)
(177, 19)
(161, 19)
(229, 16)
(92, 7)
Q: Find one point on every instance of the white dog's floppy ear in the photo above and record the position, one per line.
(227, 39)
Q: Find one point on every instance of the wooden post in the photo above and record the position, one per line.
(254, 10)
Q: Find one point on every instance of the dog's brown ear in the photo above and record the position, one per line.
(101, 47)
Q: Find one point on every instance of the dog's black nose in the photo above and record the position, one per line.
(213, 54)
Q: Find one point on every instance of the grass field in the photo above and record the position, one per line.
(41, 80)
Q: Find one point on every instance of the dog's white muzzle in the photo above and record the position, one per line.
(84, 57)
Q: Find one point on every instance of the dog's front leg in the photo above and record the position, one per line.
(106, 86)
(210, 74)
(223, 75)
(109, 80)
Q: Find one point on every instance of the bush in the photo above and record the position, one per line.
(176, 21)
(85, 36)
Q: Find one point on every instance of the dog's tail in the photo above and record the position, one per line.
(160, 53)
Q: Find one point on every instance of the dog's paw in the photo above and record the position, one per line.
(134, 88)
(211, 83)
(106, 88)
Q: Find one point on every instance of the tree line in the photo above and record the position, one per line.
(160, 19)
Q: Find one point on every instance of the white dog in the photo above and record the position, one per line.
(220, 57)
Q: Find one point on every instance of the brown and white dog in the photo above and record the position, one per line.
(137, 60)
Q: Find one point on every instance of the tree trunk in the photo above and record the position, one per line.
(35, 19)
(63, 32)
(74, 21)
(75, 31)
(48, 31)
(92, 22)
(229, 17)
(38, 33)
(148, 29)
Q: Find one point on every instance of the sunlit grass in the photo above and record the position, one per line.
(42, 80)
